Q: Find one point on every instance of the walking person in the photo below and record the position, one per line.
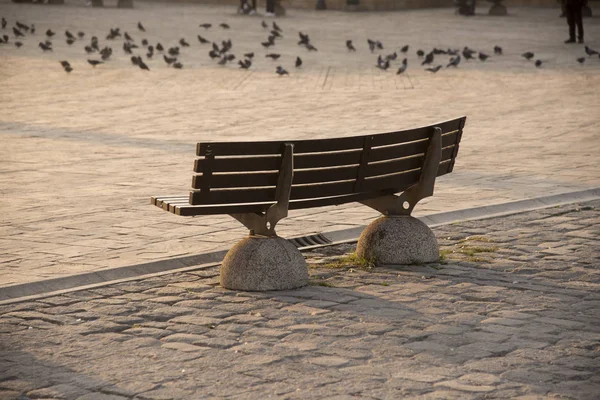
(270, 8)
(573, 11)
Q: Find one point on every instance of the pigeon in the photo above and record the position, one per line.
(528, 55)
(141, 27)
(70, 41)
(273, 56)
(264, 25)
(298, 62)
(310, 47)
(174, 51)
(281, 71)
(384, 65)
(304, 39)
(127, 48)
(379, 45)
(267, 44)
(581, 60)
(483, 56)
(22, 27)
(452, 52)
(392, 57)
(93, 63)
(276, 27)
(249, 55)
(214, 54)
(49, 33)
(144, 42)
(205, 26)
(420, 53)
(159, 47)
(65, 64)
(350, 46)
(169, 60)
(404, 49)
(142, 65)
(222, 61)
(150, 52)
(403, 67)
(538, 63)
(68, 69)
(89, 49)
(127, 37)
(178, 65)
(69, 35)
(17, 32)
(135, 60)
(454, 61)
(276, 34)
(437, 51)
(215, 47)
(183, 42)
(202, 40)
(80, 34)
(224, 25)
(32, 29)
(105, 53)
(45, 47)
(4, 22)
(230, 57)
(428, 59)
(5, 37)
(589, 51)
(468, 53)
(245, 64)
(498, 50)
(434, 70)
(372, 45)
(18, 44)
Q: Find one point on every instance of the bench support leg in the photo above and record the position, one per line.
(396, 237)
(264, 261)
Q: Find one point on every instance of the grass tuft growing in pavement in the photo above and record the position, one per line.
(353, 260)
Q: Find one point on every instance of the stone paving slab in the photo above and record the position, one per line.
(503, 315)
(81, 154)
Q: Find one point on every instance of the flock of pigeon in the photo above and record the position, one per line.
(222, 54)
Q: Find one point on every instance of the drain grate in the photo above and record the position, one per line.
(311, 240)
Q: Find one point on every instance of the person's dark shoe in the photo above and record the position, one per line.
(570, 40)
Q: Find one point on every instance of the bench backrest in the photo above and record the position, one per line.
(244, 175)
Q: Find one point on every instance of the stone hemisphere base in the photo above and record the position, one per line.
(398, 240)
(261, 264)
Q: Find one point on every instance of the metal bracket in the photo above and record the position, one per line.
(263, 224)
(405, 203)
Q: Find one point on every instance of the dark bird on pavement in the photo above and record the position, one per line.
(22, 27)
(222, 61)
(202, 40)
(93, 63)
(4, 22)
(150, 52)
(249, 55)
(437, 51)
(264, 24)
(141, 27)
(538, 63)
(230, 57)
(452, 52)
(89, 49)
(144, 42)
(68, 69)
(267, 44)
(226, 45)
(169, 60)
(280, 71)
(420, 53)
(94, 43)
(310, 47)
(224, 25)
(379, 45)
(581, 60)
(298, 62)
(127, 48)
(17, 32)
(245, 64)
(276, 27)
(32, 29)
(428, 59)
(174, 51)
(80, 34)
(48, 43)
(215, 47)
(183, 42)
(434, 70)
(214, 54)
(304, 39)
(159, 47)
(276, 34)
(483, 56)
(65, 64)
(142, 64)
(468, 53)
(45, 47)
(177, 65)
(372, 45)
(18, 44)
(384, 65)
(70, 41)
(392, 57)
(49, 33)
(69, 35)
(273, 56)
(105, 53)
(528, 55)
(127, 37)
(498, 50)
(350, 46)
(5, 37)
(135, 60)
(205, 26)
(405, 48)
(403, 67)
(589, 51)
(454, 61)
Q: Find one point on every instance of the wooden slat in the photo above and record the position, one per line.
(322, 145)
(400, 151)
(394, 166)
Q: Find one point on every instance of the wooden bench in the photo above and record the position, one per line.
(258, 182)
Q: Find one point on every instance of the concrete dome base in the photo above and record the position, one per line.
(398, 240)
(264, 263)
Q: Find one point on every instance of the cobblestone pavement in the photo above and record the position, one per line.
(81, 154)
(511, 312)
